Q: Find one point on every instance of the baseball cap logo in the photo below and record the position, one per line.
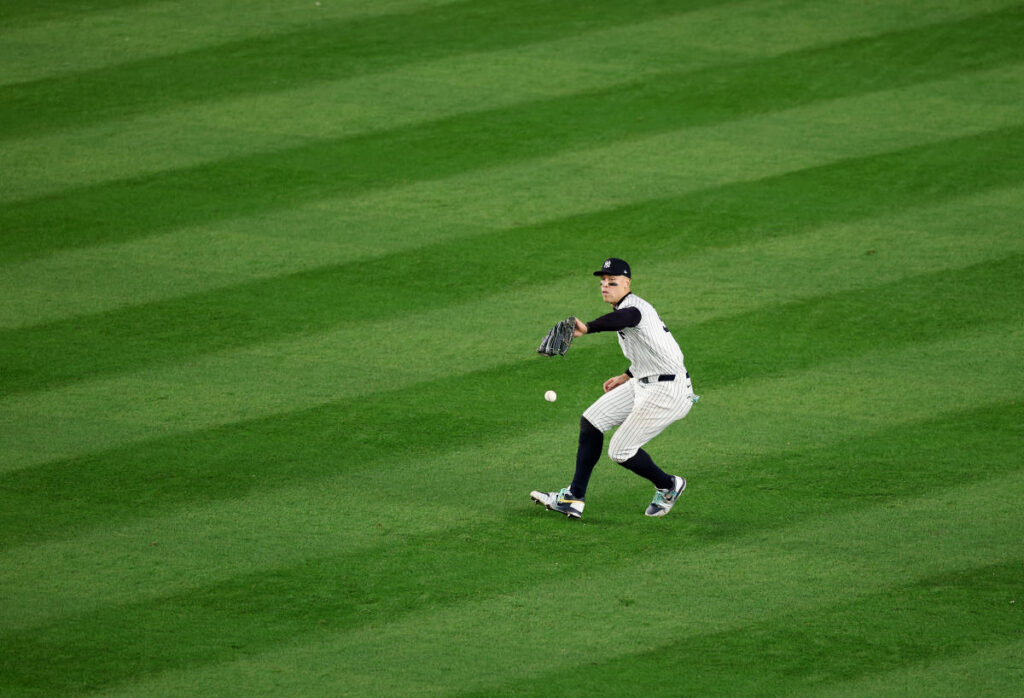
(613, 266)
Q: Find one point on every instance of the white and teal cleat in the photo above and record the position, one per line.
(562, 501)
(664, 500)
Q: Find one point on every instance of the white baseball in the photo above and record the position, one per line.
(551, 396)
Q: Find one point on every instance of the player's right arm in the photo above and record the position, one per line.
(616, 381)
(614, 321)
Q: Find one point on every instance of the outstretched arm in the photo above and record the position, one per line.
(616, 320)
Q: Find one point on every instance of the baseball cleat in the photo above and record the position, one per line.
(664, 500)
(562, 501)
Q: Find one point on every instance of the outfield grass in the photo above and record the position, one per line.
(272, 276)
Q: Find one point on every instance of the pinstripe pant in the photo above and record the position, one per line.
(641, 411)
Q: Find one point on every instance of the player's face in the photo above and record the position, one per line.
(614, 288)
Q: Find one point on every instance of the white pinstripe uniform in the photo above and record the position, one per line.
(643, 406)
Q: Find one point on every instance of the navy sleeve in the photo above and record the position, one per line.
(615, 320)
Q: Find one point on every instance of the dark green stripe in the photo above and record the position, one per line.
(807, 332)
(123, 210)
(400, 283)
(407, 573)
(14, 13)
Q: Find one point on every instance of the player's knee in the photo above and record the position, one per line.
(588, 432)
(591, 438)
(620, 452)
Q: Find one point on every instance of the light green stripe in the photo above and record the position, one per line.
(421, 92)
(191, 260)
(815, 565)
(832, 403)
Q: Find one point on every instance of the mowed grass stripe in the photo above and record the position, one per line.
(993, 670)
(119, 211)
(136, 479)
(839, 257)
(738, 444)
(542, 191)
(21, 14)
(326, 50)
(215, 129)
(98, 36)
(833, 646)
(76, 38)
(475, 268)
(906, 311)
(771, 575)
(409, 573)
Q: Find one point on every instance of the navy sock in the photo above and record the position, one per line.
(642, 465)
(587, 454)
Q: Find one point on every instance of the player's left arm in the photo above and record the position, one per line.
(612, 322)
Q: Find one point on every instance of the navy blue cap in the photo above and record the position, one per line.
(613, 266)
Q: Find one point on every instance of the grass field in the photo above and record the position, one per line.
(273, 274)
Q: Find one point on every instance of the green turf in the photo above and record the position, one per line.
(271, 282)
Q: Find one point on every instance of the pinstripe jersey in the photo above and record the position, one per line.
(649, 346)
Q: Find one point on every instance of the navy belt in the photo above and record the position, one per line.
(663, 378)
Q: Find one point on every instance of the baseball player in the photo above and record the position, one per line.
(654, 392)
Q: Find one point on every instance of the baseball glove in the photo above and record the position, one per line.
(558, 338)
